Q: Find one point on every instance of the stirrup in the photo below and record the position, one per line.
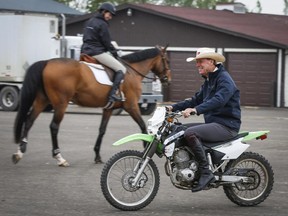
(109, 105)
(115, 98)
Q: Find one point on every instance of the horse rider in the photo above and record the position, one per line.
(97, 43)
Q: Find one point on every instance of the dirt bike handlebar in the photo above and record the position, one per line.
(176, 113)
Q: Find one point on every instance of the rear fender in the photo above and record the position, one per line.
(256, 135)
(134, 137)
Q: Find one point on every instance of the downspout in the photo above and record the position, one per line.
(63, 41)
(279, 78)
(286, 78)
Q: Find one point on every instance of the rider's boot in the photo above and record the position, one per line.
(206, 175)
(112, 97)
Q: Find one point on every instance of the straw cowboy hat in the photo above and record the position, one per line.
(207, 53)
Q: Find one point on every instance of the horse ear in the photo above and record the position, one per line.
(166, 46)
(158, 47)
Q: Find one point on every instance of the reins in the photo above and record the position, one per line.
(128, 65)
(139, 73)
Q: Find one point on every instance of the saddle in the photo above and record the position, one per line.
(110, 73)
(89, 59)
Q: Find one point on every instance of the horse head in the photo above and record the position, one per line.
(162, 68)
(157, 62)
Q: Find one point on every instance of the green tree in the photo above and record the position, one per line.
(258, 6)
(285, 10)
(92, 5)
(80, 5)
(208, 4)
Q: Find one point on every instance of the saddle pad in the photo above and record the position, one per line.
(99, 73)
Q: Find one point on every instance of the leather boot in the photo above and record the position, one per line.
(206, 178)
(112, 97)
(206, 175)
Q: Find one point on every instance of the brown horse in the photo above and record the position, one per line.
(59, 81)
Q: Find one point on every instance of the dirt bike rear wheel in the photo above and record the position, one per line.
(116, 179)
(251, 194)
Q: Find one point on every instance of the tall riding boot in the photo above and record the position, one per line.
(206, 175)
(117, 80)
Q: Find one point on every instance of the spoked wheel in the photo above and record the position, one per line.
(117, 178)
(261, 175)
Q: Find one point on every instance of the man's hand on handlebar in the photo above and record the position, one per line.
(169, 108)
(189, 111)
(186, 113)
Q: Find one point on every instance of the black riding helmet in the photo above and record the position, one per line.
(107, 6)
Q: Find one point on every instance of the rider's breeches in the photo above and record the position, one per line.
(209, 132)
(111, 62)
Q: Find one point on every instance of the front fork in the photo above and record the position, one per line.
(140, 171)
(149, 151)
(151, 148)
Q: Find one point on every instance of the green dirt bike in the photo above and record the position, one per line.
(130, 179)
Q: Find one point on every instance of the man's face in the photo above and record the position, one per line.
(107, 15)
(205, 66)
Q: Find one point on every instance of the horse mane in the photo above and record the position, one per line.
(141, 55)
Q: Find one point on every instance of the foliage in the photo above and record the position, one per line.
(285, 10)
(92, 5)
(207, 4)
(258, 6)
(80, 5)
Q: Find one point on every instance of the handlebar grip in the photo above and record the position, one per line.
(167, 109)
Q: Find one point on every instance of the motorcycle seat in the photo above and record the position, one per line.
(213, 144)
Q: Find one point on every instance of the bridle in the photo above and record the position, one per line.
(166, 69)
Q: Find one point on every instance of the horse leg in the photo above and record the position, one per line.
(16, 157)
(54, 129)
(38, 107)
(136, 116)
(104, 122)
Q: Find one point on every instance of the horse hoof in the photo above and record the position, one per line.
(64, 164)
(98, 161)
(15, 158)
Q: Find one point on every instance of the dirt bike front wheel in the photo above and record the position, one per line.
(116, 181)
(254, 192)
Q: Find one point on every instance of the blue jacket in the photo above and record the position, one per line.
(96, 36)
(218, 99)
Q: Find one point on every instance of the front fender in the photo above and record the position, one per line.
(134, 137)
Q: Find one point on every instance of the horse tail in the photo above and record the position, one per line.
(33, 82)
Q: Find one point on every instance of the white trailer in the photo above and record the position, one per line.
(24, 39)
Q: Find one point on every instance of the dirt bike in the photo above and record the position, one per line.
(130, 179)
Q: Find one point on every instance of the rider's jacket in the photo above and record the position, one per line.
(218, 100)
(96, 36)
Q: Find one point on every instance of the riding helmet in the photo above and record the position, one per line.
(108, 7)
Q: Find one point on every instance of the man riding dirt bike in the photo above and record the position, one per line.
(219, 101)
(198, 156)
(130, 179)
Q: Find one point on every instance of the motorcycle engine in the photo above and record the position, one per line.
(185, 166)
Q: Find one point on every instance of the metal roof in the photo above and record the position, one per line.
(265, 28)
(37, 6)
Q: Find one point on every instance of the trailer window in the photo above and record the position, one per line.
(52, 26)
